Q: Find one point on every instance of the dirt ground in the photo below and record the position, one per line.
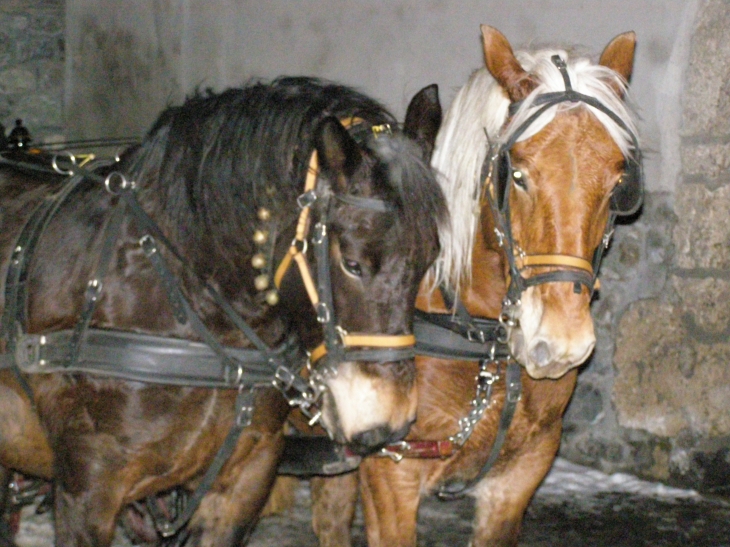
(577, 507)
(605, 519)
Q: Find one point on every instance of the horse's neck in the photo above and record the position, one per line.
(483, 295)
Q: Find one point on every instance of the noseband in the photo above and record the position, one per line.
(338, 346)
(497, 173)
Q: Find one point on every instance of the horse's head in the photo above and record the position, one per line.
(563, 165)
(377, 212)
(536, 199)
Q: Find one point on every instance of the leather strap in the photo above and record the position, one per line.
(419, 449)
(459, 489)
(536, 261)
(394, 347)
(153, 359)
(244, 413)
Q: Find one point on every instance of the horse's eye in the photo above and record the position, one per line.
(519, 179)
(351, 267)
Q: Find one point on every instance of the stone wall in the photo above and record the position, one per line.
(668, 417)
(32, 66)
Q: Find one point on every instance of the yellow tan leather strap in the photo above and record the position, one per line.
(536, 261)
(367, 340)
(298, 246)
(297, 252)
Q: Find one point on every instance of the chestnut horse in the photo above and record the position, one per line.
(156, 310)
(538, 155)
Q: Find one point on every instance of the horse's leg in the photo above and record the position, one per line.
(501, 500)
(89, 489)
(6, 533)
(390, 494)
(333, 508)
(229, 512)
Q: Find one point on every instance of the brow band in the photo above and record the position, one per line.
(374, 204)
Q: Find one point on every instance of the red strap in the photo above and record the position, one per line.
(418, 449)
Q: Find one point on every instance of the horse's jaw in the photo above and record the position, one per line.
(364, 410)
(551, 340)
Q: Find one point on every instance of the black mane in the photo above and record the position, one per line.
(211, 163)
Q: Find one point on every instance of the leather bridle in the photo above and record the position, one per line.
(625, 200)
(338, 345)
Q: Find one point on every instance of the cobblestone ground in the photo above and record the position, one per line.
(577, 507)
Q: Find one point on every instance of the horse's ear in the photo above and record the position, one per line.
(619, 55)
(504, 66)
(338, 153)
(423, 119)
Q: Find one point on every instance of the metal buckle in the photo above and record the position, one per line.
(147, 242)
(245, 412)
(500, 237)
(395, 456)
(474, 334)
(30, 352)
(320, 233)
(300, 245)
(306, 199)
(93, 289)
(607, 238)
(17, 253)
(383, 129)
(323, 313)
(115, 183)
(283, 379)
(65, 155)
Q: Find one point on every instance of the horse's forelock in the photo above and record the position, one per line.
(420, 201)
(585, 77)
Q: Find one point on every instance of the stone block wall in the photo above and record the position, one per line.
(660, 405)
(32, 66)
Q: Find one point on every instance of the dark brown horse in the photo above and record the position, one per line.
(151, 305)
(537, 156)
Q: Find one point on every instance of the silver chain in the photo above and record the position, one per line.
(482, 399)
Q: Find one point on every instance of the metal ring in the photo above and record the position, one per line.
(296, 243)
(115, 190)
(71, 158)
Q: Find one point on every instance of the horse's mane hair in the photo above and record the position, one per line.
(211, 163)
(476, 119)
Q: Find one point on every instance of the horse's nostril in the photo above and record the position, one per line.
(370, 440)
(540, 353)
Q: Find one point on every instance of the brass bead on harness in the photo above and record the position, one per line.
(272, 297)
(258, 261)
(261, 282)
(264, 214)
(260, 237)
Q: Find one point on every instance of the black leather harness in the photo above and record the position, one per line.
(142, 357)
